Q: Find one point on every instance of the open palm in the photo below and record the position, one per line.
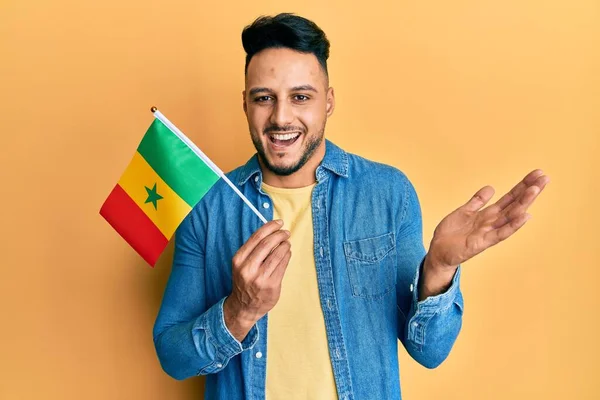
(469, 229)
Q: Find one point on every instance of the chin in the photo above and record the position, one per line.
(281, 167)
(285, 162)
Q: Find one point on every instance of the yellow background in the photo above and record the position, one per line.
(457, 94)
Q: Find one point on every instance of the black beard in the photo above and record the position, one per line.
(310, 148)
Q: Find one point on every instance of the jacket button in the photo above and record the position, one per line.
(258, 355)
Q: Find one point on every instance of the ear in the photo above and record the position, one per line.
(330, 101)
(244, 102)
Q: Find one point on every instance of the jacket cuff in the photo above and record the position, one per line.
(225, 344)
(440, 301)
(424, 310)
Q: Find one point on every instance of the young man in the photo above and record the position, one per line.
(311, 305)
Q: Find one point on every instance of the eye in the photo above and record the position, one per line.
(301, 98)
(262, 99)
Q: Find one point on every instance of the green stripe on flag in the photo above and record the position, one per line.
(176, 163)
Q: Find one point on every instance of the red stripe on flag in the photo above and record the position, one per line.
(133, 225)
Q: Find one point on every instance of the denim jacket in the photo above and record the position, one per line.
(368, 251)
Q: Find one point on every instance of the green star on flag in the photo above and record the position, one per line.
(153, 196)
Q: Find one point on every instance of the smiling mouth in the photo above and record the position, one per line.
(284, 140)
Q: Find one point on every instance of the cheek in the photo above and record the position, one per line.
(312, 119)
(256, 118)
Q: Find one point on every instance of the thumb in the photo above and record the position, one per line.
(479, 199)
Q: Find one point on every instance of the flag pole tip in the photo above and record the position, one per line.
(153, 109)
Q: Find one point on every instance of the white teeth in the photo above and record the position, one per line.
(287, 136)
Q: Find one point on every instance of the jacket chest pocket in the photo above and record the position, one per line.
(371, 265)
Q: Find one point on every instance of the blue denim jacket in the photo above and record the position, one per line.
(368, 251)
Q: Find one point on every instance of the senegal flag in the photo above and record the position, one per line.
(166, 177)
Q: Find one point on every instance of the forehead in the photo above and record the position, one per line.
(284, 68)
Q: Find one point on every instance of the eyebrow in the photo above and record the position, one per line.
(258, 90)
(303, 88)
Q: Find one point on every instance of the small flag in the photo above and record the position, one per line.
(166, 178)
(162, 183)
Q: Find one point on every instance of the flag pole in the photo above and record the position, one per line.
(158, 115)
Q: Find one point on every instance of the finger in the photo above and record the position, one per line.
(479, 199)
(497, 235)
(518, 207)
(280, 269)
(524, 201)
(266, 246)
(509, 197)
(273, 259)
(542, 181)
(255, 239)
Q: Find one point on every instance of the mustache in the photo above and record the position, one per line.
(287, 128)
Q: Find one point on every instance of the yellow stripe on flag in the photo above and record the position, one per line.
(138, 181)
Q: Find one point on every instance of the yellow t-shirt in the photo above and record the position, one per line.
(298, 364)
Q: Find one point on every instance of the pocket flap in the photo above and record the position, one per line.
(371, 249)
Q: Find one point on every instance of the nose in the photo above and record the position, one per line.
(283, 114)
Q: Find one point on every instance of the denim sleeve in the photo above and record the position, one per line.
(428, 328)
(190, 335)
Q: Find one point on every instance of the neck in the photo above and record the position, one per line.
(305, 176)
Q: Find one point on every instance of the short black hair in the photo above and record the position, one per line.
(285, 30)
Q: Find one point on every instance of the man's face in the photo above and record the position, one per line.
(287, 101)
